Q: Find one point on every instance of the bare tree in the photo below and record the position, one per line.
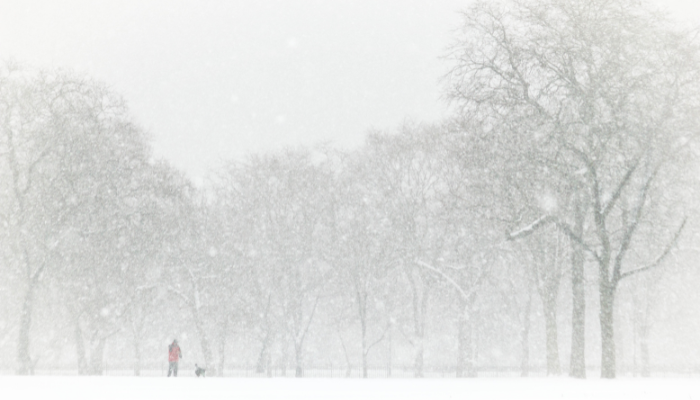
(67, 143)
(408, 175)
(363, 254)
(598, 91)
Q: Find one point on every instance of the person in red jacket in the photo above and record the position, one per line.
(174, 355)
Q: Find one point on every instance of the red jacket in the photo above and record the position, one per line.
(174, 352)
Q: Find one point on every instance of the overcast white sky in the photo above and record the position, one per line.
(213, 80)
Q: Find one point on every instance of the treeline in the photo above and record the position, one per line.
(559, 198)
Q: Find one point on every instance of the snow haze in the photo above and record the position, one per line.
(222, 79)
(351, 189)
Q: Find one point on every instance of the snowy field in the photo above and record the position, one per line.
(75, 388)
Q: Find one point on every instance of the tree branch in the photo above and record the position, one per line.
(618, 191)
(528, 230)
(461, 291)
(576, 238)
(447, 278)
(177, 292)
(378, 340)
(308, 323)
(659, 259)
(629, 232)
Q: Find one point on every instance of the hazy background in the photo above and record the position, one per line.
(213, 80)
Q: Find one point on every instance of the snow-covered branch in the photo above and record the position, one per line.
(528, 230)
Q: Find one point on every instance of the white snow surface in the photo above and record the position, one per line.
(103, 387)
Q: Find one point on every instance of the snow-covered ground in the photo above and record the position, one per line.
(103, 387)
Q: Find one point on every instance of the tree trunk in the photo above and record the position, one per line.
(137, 330)
(644, 351)
(362, 308)
(299, 370)
(466, 364)
(24, 360)
(389, 351)
(363, 323)
(262, 359)
(137, 358)
(80, 349)
(418, 362)
(90, 357)
(525, 339)
(222, 350)
(420, 308)
(549, 303)
(348, 368)
(607, 297)
(642, 327)
(420, 332)
(206, 347)
(577, 365)
(268, 363)
(282, 363)
(548, 276)
(97, 357)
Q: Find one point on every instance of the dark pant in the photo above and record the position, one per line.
(172, 368)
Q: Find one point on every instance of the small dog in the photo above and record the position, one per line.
(199, 371)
